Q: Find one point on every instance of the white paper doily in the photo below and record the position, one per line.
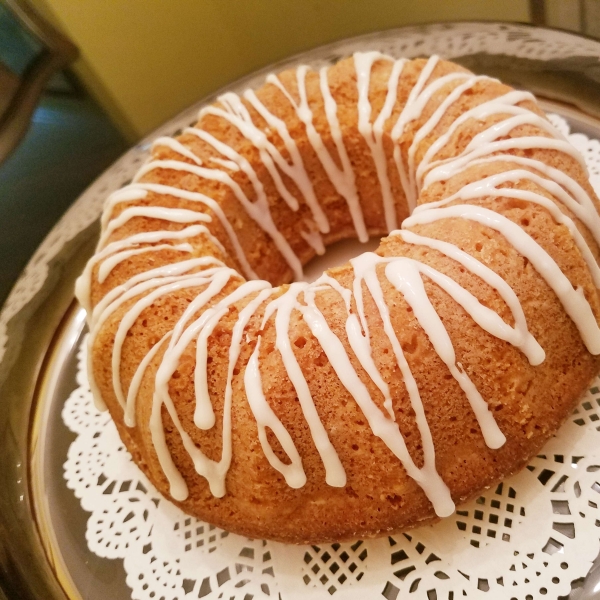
(531, 536)
(528, 538)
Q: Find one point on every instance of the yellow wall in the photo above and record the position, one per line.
(145, 60)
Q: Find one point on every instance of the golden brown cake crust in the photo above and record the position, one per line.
(527, 402)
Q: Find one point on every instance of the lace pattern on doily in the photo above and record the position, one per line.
(529, 537)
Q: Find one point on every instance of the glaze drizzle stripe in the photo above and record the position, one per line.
(110, 263)
(573, 300)
(349, 180)
(138, 191)
(258, 211)
(523, 339)
(296, 171)
(382, 426)
(408, 114)
(443, 170)
(245, 165)
(488, 187)
(137, 285)
(358, 341)
(342, 179)
(282, 307)
(405, 275)
(505, 104)
(261, 204)
(214, 471)
(83, 284)
(144, 281)
(373, 133)
(433, 121)
(136, 381)
(125, 194)
(293, 472)
(174, 215)
(180, 339)
(176, 146)
(204, 416)
(572, 195)
(236, 113)
(427, 477)
(215, 285)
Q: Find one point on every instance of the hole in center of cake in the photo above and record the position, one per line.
(336, 255)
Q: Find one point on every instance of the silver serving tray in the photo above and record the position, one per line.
(43, 552)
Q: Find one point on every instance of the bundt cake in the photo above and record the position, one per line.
(388, 390)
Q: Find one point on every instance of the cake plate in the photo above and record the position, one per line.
(46, 535)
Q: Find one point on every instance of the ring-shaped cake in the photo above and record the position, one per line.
(390, 389)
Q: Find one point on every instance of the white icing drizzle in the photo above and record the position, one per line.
(176, 146)
(234, 352)
(382, 426)
(228, 164)
(83, 284)
(146, 280)
(177, 486)
(243, 164)
(127, 321)
(213, 206)
(503, 128)
(573, 301)
(110, 263)
(200, 330)
(405, 276)
(433, 121)
(521, 338)
(212, 303)
(373, 133)
(343, 179)
(204, 416)
(175, 215)
(237, 114)
(314, 240)
(489, 187)
(427, 477)
(345, 183)
(293, 472)
(258, 210)
(506, 104)
(283, 307)
(584, 208)
(181, 338)
(359, 342)
(296, 171)
(448, 168)
(126, 194)
(142, 287)
(408, 114)
(136, 381)
(137, 285)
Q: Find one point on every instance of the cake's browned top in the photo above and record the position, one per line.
(390, 388)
